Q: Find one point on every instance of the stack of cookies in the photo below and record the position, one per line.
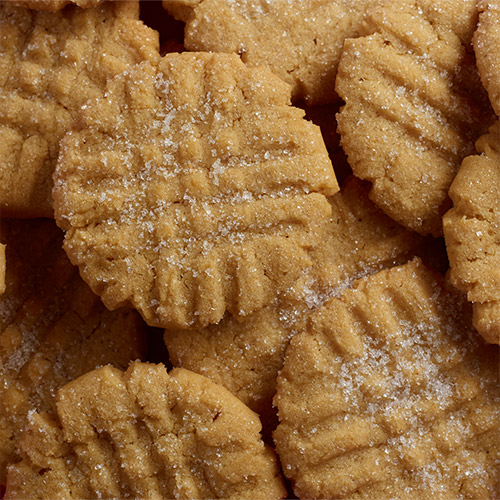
(250, 249)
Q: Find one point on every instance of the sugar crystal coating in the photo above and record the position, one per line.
(144, 433)
(472, 233)
(193, 188)
(390, 393)
(414, 105)
(300, 41)
(487, 49)
(52, 328)
(51, 63)
(246, 356)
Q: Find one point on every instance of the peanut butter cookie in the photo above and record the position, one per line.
(53, 5)
(145, 434)
(414, 105)
(390, 393)
(246, 356)
(51, 63)
(300, 41)
(487, 49)
(472, 232)
(52, 328)
(193, 188)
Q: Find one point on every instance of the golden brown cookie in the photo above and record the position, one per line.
(53, 5)
(487, 49)
(300, 41)
(246, 356)
(390, 393)
(472, 232)
(193, 188)
(50, 65)
(52, 328)
(145, 434)
(414, 105)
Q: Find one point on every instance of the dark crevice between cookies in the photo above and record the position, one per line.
(171, 31)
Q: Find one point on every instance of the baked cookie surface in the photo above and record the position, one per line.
(52, 5)
(487, 49)
(300, 41)
(145, 434)
(414, 105)
(52, 328)
(246, 356)
(51, 63)
(193, 188)
(472, 233)
(390, 393)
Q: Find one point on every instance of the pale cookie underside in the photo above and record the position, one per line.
(48, 318)
(472, 232)
(389, 393)
(301, 42)
(413, 110)
(203, 190)
(51, 63)
(487, 49)
(246, 356)
(145, 434)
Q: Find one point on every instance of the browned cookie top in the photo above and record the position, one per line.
(414, 105)
(193, 188)
(472, 232)
(145, 434)
(390, 393)
(52, 328)
(51, 63)
(300, 41)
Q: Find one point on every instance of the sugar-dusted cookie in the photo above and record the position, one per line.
(51, 63)
(246, 356)
(52, 328)
(53, 5)
(300, 41)
(472, 232)
(390, 393)
(487, 49)
(145, 434)
(414, 105)
(193, 188)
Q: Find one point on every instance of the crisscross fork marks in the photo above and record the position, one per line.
(390, 376)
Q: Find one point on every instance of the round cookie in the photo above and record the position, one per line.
(145, 434)
(192, 188)
(53, 5)
(300, 41)
(246, 356)
(52, 328)
(414, 105)
(390, 393)
(472, 233)
(51, 63)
